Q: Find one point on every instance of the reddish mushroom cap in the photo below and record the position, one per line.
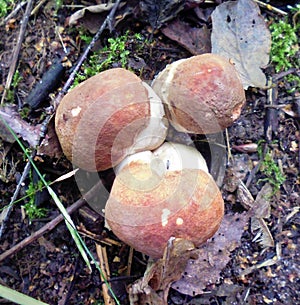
(146, 207)
(203, 94)
(107, 117)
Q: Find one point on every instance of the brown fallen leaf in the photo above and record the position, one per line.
(92, 17)
(158, 12)
(154, 287)
(238, 168)
(212, 257)
(262, 209)
(22, 129)
(195, 40)
(240, 33)
(50, 145)
(292, 110)
(93, 9)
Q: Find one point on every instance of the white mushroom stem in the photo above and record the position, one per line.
(168, 157)
(156, 129)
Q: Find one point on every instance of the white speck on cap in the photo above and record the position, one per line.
(179, 221)
(164, 217)
(76, 111)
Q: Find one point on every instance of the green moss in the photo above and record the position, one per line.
(5, 7)
(270, 169)
(31, 209)
(115, 53)
(285, 47)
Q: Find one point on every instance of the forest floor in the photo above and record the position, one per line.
(262, 263)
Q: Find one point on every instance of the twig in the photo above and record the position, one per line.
(280, 75)
(129, 262)
(228, 145)
(13, 13)
(271, 8)
(37, 7)
(16, 53)
(271, 117)
(52, 224)
(7, 210)
(102, 255)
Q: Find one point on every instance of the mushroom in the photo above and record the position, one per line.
(203, 94)
(162, 194)
(107, 117)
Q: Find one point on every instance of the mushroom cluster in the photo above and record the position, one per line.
(162, 189)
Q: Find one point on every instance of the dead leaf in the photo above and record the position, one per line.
(154, 287)
(263, 235)
(262, 209)
(240, 165)
(159, 11)
(195, 40)
(22, 128)
(95, 9)
(241, 34)
(292, 110)
(212, 257)
(244, 196)
(92, 17)
(50, 145)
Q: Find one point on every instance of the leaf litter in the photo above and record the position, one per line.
(244, 31)
(240, 33)
(212, 256)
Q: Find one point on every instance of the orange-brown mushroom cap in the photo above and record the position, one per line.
(145, 209)
(203, 94)
(102, 120)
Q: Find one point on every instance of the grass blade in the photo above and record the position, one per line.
(17, 297)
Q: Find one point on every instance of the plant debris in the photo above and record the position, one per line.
(240, 34)
(195, 40)
(212, 257)
(257, 246)
(23, 129)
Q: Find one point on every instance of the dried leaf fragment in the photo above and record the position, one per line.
(212, 256)
(158, 12)
(96, 9)
(153, 287)
(241, 34)
(262, 209)
(195, 40)
(23, 129)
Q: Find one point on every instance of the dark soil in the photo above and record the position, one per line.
(50, 268)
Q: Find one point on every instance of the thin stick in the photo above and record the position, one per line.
(228, 145)
(16, 53)
(13, 13)
(7, 210)
(271, 8)
(129, 262)
(52, 224)
(102, 255)
(37, 7)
